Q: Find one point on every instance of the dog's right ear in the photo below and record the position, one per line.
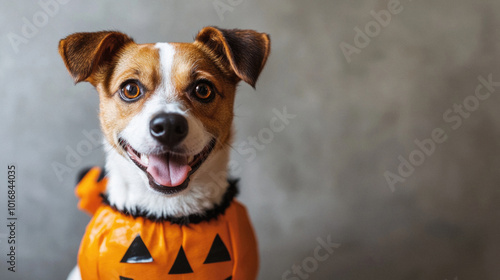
(87, 52)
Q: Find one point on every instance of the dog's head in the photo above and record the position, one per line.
(166, 107)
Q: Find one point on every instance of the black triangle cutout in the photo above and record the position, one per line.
(218, 252)
(181, 264)
(228, 278)
(125, 278)
(137, 252)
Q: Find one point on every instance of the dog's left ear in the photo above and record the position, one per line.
(243, 51)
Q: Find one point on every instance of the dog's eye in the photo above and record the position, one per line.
(204, 92)
(130, 91)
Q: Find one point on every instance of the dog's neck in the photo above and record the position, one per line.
(128, 187)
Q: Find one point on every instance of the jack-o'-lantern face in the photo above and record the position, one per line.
(123, 247)
(138, 253)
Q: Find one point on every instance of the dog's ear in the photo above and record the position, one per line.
(84, 53)
(244, 51)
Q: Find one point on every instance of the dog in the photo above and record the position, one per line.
(166, 113)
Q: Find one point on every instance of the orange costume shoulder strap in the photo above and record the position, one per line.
(89, 190)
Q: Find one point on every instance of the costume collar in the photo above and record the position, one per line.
(208, 215)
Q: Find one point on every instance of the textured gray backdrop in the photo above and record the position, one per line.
(319, 178)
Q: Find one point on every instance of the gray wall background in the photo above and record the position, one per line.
(323, 175)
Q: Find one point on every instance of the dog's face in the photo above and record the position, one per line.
(166, 107)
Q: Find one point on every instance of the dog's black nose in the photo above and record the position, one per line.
(169, 128)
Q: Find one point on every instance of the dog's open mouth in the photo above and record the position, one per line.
(168, 173)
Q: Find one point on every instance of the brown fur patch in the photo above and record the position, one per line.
(135, 62)
(191, 64)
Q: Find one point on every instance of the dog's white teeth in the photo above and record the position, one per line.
(145, 159)
(190, 158)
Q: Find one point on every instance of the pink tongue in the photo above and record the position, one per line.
(168, 170)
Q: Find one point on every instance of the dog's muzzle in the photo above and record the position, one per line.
(168, 171)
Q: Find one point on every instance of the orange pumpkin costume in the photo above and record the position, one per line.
(117, 245)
